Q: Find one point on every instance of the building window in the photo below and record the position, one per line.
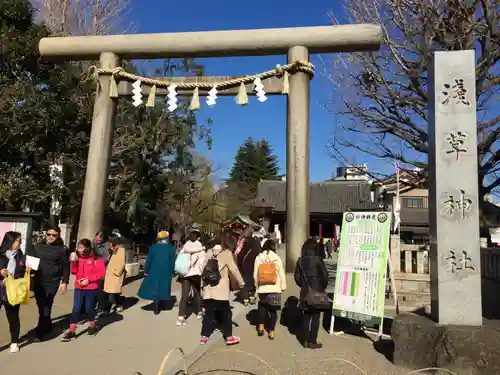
(415, 202)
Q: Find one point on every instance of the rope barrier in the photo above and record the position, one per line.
(276, 372)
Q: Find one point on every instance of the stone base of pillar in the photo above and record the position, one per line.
(420, 342)
(66, 234)
(71, 285)
(395, 247)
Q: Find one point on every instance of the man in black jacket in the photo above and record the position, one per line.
(51, 277)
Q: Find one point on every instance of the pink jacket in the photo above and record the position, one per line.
(88, 268)
(198, 257)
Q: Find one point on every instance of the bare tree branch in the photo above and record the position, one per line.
(85, 17)
(379, 99)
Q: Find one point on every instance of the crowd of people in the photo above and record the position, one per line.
(98, 267)
(208, 274)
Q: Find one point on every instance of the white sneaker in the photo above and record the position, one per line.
(180, 322)
(14, 348)
(199, 315)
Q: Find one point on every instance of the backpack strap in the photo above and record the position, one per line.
(268, 258)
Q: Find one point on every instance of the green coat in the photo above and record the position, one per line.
(158, 273)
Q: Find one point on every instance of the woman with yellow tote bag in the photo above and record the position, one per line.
(14, 283)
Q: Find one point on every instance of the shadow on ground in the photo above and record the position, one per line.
(130, 280)
(129, 302)
(232, 371)
(59, 324)
(165, 305)
(291, 317)
(385, 347)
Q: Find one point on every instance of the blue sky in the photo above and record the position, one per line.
(232, 124)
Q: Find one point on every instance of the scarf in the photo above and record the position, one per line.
(11, 256)
(239, 246)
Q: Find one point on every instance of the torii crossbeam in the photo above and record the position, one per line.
(298, 43)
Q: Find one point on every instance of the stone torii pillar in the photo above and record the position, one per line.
(298, 43)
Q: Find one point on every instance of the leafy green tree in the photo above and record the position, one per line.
(254, 161)
(45, 118)
(44, 113)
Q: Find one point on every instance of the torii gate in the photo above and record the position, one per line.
(298, 43)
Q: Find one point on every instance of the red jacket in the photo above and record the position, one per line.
(88, 268)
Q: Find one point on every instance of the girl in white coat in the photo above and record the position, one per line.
(191, 282)
(269, 293)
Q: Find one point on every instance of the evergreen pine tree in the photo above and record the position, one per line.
(254, 161)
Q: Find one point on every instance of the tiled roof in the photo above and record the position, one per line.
(408, 180)
(324, 197)
(420, 216)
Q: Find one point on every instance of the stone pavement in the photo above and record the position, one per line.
(287, 356)
(139, 340)
(136, 341)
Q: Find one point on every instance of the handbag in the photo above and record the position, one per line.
(18, 290)
(313, 298)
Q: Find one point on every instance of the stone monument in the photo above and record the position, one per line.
(454, 338)
(455, 263)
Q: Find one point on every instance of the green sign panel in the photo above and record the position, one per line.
(362, 266)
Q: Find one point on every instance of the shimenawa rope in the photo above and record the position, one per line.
(120, 73)
(281, 71)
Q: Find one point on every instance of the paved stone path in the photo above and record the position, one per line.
(136, 341)
(287, 356)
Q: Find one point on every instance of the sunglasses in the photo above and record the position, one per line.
(54, 235)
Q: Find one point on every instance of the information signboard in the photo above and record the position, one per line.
(21, 226)
(362, 266)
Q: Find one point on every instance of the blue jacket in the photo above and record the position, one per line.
(158, 273)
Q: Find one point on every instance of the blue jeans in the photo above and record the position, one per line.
(84, 298)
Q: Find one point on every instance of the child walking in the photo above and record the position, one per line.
(89, 270)
(269, 276)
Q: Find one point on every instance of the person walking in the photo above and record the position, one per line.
(270, 279)
(329, 248)
(158, 272)
(115, 275)
(216, 291)
(191, 281)
(250, 248)
(100, 248)
(12, 262)
(89, 269)
(321, 247)
(52, 277)
(310, 275)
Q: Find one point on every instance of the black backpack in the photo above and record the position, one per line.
(211, 274)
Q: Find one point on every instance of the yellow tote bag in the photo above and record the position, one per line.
(18, 290)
